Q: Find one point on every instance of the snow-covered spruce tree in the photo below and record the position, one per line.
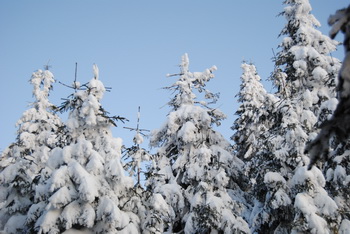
(337, 171)
(336, 131)
(305, 77)
(315, 210)
(193, 166)
(135, 158)
(135, 155)
(251, 132)
(84, 186)
(252, 123)
(22, 161)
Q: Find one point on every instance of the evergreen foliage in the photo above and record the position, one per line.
(252, 124)
(308, 99)
(70, 177)
(336, 131)
(22, 162)
(194, 164)
(304, 77)
(135, 155)
(83, 186)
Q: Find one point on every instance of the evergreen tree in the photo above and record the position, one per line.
(305, 80)
(252, 123)
(83, 185)
(135, 155)
(23, 160)
(336, 131)
(315, 210)
(251, 133)
(337, 125)
(337, 171)
(193, 165)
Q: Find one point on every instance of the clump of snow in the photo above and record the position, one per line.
(316, 223)
(344, 227)
(221, 179)
(76, 231)
(15, 224)
(308, 118)
(314, 203)
(280, 198)
(61, 197)
(59, 178)
(138, 139)
(88, 215)
(188, 132)
(47, 221)
(160, 204)
(76, 85)
(302, 175)
(319, 73)
(87, 184)
(330, 104)
(273, 178)
(70, 214)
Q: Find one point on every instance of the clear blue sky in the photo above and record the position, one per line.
(135, 44)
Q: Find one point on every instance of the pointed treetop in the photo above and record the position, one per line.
(95, 85)
(184, 66)
(96, 71)
(304, 52)
(189, 81)
(42, 84)
(298, 11)
(249, 72)
(301, 26)
(47, 66)
(138, 139)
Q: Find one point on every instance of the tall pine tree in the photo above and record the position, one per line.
(251, 133)
(252, 123)
(22, 162)
(193, 165)
(305, 80)
(84, 185)
(336, 167)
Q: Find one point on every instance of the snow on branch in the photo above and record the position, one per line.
(339, 124)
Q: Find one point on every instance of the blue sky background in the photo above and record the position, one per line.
(135, 44)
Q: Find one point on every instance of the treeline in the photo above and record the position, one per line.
(69, 176)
